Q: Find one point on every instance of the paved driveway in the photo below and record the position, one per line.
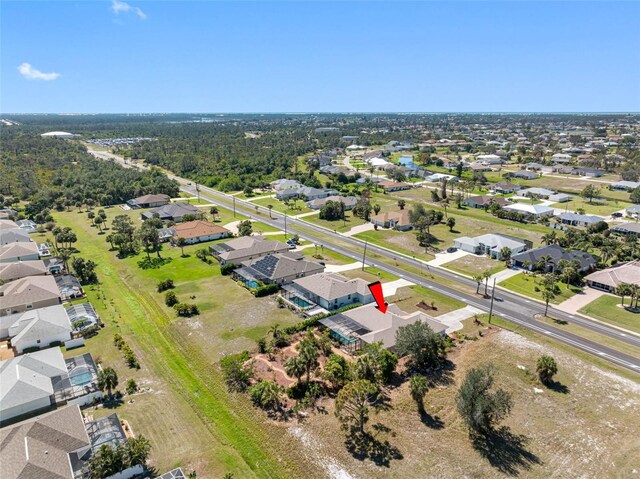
(442, 258)
(580, 300)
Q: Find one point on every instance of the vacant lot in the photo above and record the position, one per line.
(608, 308)
(472, 265)
(585, 427)
(598, 206)
(409, 297)
(526, 284)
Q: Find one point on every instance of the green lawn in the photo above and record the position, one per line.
(401, 241)
(471, 265)
(370, 274)
(526, 283)
(296, 206)
(327, 256)
(338, 225)
(408, 298)
(607, 308)
(207, 429)
(597, 207)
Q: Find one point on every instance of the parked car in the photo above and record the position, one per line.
(452, 250)
(617, 214)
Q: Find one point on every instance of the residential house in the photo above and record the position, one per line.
(171, 212)
(394, 186)
(589, 172)
(44, 250)
(398, 220)
(609, 279)
(525, 175)
(561, 158)
(348, 201)
(52, 445)
(628, 228)
(199, 231)
(8, 214)
(246, 248)
(504, 187)
(305, 192)
(329, 291)
(173, 474)
(10, 253)
(32, 292)
(21, 269)
(166, 234)
(559, 198)
(367, 325)
(281, 268)
(575, 219)
(555, 253)
(633, 210)
(534, 166)
(484, 201)
(625, 185)
(284, 184)
(69, 286)
(492, 244)
(27, 225)
(37, 328)
(44, 379)
(537, 211)
(6, 224)
(149, 201)
(489, 160)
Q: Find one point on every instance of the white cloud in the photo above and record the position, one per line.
(118, 7)
(30, 73)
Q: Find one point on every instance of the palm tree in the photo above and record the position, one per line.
(546, 368)
(308, 354)
(544, 262)
(478, 279)
(635, 295)
(295, 367)
(65, 256)
(486, 275)
(214, 211)
(624, 289)
(137, 450)
(418, 386)
(270, 208)
(547, 295)
(549, 238)
(505, 252)
(107, 379)
(181, 242)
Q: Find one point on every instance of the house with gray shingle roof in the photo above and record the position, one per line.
(330, 291)
(47, 446)
(277, 269)
(246, 248)
(22, 269)
(28, 293)
(171, 212)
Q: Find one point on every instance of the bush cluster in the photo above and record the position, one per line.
(129, 356)
(186, 310)
(165, 285)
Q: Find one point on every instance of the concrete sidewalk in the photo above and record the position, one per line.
(359, 229)
(308, 213)
(338, 268)
(504, 274)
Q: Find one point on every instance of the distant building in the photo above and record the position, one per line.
(59, 134)
(398, 220)
(537, 211)
(492, 245)
(246, 248)
(394, 186)
(484, 201)
(556, 253)
(625, 185)
(199, 231)
(629, 228)
(505, 187)
(277, 269)
(348, 201)
(575, 219)
(171, 212)
(525, 175)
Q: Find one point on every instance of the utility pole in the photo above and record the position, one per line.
(234, 206)
(285, 226)
(493, 295)
(364, 255)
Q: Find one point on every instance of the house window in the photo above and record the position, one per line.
(29, 306)
(38, 341)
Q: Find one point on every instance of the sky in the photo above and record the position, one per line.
(112, 56)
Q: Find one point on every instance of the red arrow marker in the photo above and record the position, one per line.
(376, 291)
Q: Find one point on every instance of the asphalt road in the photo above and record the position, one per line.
(512, 307)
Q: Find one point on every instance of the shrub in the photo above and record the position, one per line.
(186, 310)
(226, 269)
(170, 299)
(262, 345)
(237, 375)
(266, 290)
(165, 285)
(132, 386)
(118, 341)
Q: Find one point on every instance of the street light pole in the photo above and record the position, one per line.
(493, 295)
(364, 254)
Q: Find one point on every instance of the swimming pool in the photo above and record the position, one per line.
(251, 284)
(300, 302)
(80, 378)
